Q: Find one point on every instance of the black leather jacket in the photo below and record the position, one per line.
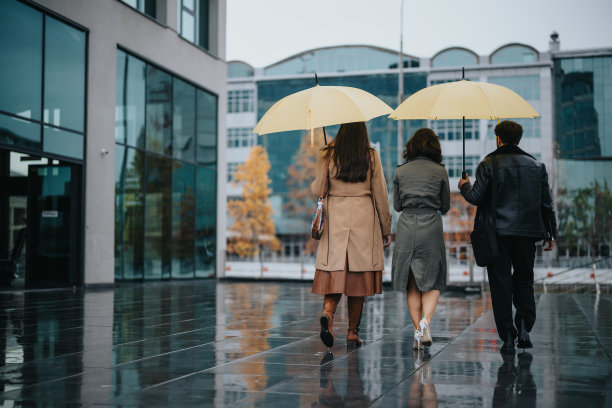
(524, 203)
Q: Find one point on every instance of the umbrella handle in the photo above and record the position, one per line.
(464, 175)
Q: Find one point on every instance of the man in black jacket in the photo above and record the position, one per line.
(524, 214)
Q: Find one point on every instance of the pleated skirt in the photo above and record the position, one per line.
(349, 283)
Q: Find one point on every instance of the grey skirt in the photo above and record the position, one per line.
(419, 247)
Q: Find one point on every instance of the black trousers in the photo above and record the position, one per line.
(516, 288)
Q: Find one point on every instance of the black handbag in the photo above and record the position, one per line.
(318, 217)
(484, 236)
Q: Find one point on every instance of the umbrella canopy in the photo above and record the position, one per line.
(321, 106)
(464, 100)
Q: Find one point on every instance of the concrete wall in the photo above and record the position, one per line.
(112, 23)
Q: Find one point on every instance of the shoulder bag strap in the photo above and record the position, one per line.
(326, 181)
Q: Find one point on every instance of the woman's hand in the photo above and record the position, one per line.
(386, 241)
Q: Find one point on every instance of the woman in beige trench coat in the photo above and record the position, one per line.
(357, 227)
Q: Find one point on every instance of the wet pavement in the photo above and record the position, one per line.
(208, 343)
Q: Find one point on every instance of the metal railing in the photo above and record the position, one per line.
(593, 279)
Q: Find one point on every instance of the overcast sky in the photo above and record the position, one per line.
(262, 32)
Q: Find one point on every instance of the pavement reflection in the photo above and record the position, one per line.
(245, 344)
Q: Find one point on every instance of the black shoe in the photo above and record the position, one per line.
(508, 347)
(326, 336)
(524, 342)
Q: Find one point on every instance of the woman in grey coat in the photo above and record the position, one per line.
(421, 193)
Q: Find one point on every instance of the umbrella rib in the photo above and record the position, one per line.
(486, 97)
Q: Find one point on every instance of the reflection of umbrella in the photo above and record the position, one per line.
(321, 106)
(464, 100)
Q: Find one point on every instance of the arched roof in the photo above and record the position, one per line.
(239, 69)
(343, 58)
(514, 53)
(454, 57)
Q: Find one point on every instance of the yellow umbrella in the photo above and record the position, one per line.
(321, 106)
(464, 100)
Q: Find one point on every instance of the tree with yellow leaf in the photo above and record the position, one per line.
(253, 227)
(300, 175)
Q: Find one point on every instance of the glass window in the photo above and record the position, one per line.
(240, 100)
(448, 129)
(514, 54)
(130, 104)
(177, 118)
(206, 222)
(454, 57)
(206, 128)
(237, 69)
(183, 121)
(231, 170)
(158, 111)
(21, 61)
(194, 21)
(340, 59)
(527, 86)
(63, 142)
(183, 201)
(454, 165)
(240, 137)
(129, 213)
(147, 7)
(19, 132)
(64, 75)
(158, 217)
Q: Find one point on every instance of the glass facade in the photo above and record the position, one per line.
(165, 175)
(514, 54)
(454, 57)
(42, 77)
(282, 146)
(339, 59)
(583, 147)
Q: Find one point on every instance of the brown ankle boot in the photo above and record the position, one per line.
(329, 309)
(355, 306)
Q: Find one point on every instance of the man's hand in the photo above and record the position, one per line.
(462, 181)
(386, 241)
(548, 244)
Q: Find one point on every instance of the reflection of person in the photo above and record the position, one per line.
(422, 391)
(524, 214)
(420, 191)
(515, 386)
(350, 253)
(355, 392)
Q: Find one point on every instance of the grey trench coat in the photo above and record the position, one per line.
(421, 192)
(357, 216)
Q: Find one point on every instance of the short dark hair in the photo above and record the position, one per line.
(509, 132)
(426, 143)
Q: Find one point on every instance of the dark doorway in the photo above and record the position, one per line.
(41, 217)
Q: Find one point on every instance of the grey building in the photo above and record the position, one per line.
(111, 117)
(251, 91)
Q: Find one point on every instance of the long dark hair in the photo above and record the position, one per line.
(350, 152)
(425, 143)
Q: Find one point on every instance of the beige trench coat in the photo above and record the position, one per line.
(357, 216)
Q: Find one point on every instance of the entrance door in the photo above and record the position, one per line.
(54, 216)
